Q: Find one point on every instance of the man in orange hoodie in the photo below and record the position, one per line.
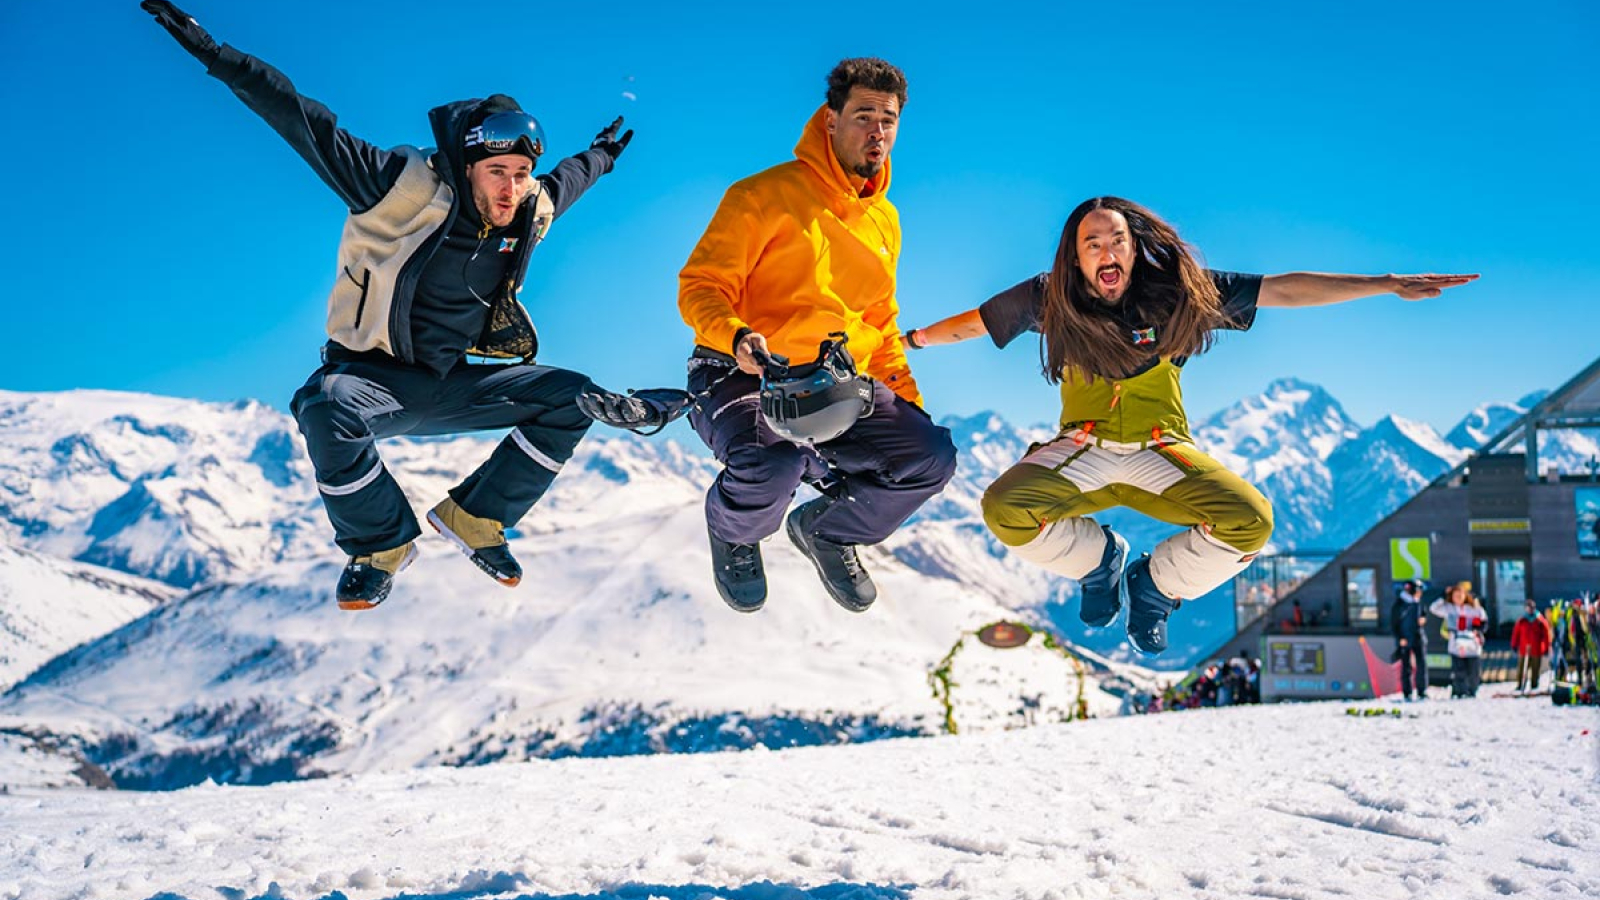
(794, 254)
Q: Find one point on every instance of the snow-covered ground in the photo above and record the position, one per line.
(1449, 799)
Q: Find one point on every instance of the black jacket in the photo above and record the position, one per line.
(362, 174)
(1403, 621)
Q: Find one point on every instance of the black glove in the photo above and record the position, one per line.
(653, 409)
(608, 141)
(184, 29)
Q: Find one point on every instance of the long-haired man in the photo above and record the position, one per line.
(1125, 305)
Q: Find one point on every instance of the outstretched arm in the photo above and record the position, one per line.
(1002, 317)
(1293, 289)
(953, 330)
(576, 174)
(360, 173)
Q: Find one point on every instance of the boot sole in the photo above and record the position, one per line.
(356, 604)
(736, 606)
(1147, 654)
(799, 541)
(1134, 643)
(464, 547)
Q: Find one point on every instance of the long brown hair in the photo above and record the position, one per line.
(1167, 288)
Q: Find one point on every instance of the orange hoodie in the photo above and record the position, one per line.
(794, 253)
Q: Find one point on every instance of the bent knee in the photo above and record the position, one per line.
(935, 466)
(945, 458)
(567, 383)
(320, 409)
(1007, 517)
(1250, 526)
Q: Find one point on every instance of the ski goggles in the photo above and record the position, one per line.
(508, 132)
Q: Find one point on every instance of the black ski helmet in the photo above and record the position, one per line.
(816, 402)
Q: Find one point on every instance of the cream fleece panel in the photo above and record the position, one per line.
(1192, 562)
(376, 244)
(1071, 547)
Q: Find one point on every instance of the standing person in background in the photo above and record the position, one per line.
(1581, 647)
(1556, 618)
(434, 253)
(1407, 621)
(1464, 621)
(1530, 638)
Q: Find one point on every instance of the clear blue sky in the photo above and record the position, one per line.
(161, 238)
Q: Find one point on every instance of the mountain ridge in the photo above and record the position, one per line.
(616, 642)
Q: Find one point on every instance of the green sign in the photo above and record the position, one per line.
(1410, 558)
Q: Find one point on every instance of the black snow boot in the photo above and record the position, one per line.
(366, 580)
(741, 579)
(842, 574)
(1148, 609)
(482, 540)
(1102, 587)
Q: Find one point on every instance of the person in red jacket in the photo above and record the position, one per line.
(1530, 638)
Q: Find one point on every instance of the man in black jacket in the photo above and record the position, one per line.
(1407, 619)
(434, 252)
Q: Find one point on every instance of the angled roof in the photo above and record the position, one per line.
(1575, 404)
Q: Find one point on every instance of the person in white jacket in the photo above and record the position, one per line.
(1464, 619)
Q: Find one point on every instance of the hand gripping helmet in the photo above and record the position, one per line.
(818, 401)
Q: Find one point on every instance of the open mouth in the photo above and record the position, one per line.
(1109, 276)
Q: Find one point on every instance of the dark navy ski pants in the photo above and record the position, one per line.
(346, 406)
(891, 462)
(1414, 668)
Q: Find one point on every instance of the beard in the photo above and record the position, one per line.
(486, 210)
(1123, 286)
(867, 169)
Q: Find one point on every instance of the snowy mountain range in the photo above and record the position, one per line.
(167, 579)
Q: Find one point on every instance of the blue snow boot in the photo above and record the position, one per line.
(1102, 587)
(1148, 608)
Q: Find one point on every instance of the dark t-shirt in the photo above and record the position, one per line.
(1019, 307)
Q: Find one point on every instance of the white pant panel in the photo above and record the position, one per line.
(1098, 466)
(1070, 547)
(1193, 562)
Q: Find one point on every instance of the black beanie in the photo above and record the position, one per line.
(472, 152)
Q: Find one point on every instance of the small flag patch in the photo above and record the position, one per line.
(1142, 336)
(508, 244)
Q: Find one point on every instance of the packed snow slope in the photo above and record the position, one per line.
(1449, 799)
